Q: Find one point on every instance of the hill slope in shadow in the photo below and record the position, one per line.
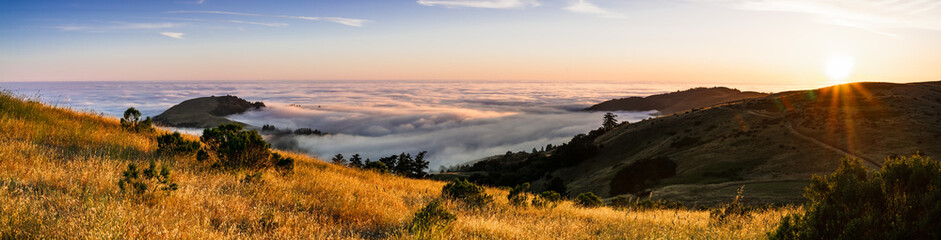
(771, 145)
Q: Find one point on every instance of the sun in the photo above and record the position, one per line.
(839, 68)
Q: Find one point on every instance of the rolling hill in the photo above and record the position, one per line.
(205, 112)
(670, 103)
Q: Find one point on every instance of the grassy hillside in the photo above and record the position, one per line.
(59, 172)
(670, 103)
(771, 145)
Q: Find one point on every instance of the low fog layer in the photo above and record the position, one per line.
(451, 136)
(455, 121)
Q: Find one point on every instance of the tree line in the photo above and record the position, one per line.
(401, 164)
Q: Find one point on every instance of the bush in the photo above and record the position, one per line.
(146, 183)
(376, 166)
(901, 201)
(175, 144)
(466, 191)
(429, 219)
(132, 121)
(547, 198)
(517, 196)
(235, 148)
(283, 164)
(588, 199)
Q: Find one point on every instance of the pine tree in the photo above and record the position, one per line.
(339, 159)
(356, 161)
(610, 121)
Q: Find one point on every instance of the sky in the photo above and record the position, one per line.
(680, 41)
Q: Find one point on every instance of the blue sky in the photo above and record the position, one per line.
(787, 41)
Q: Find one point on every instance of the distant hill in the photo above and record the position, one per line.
(669, 103)
(771, 145)
(205, 112)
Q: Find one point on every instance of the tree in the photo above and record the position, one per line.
(132, 121)
(404, 165)
(390, 161)
(610, 121)
(338, 159)
(356, 161)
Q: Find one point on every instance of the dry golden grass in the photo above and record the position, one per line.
(59, 171)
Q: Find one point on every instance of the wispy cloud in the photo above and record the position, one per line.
(118, 26)
(481, 3)
(173, 35)
(876, 16)
(260, 23)
(583, 6)
(345, 21)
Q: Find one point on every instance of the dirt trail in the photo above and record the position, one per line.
(872, 164)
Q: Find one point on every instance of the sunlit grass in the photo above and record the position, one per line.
(59, 171)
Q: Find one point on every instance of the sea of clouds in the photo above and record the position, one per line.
(456, 122)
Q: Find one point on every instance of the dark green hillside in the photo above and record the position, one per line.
(205, 112)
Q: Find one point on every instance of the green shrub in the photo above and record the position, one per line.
(149, 182)
(901, 201)
(517, 196)
(466, 191)
(588, 199)
(132, 122)
(430, 219)
(547, 199)
(175, 144)
(236, 148)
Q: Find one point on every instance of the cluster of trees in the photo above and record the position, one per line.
(271, 129)
(402, 164)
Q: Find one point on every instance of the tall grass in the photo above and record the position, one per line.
(59, 171)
